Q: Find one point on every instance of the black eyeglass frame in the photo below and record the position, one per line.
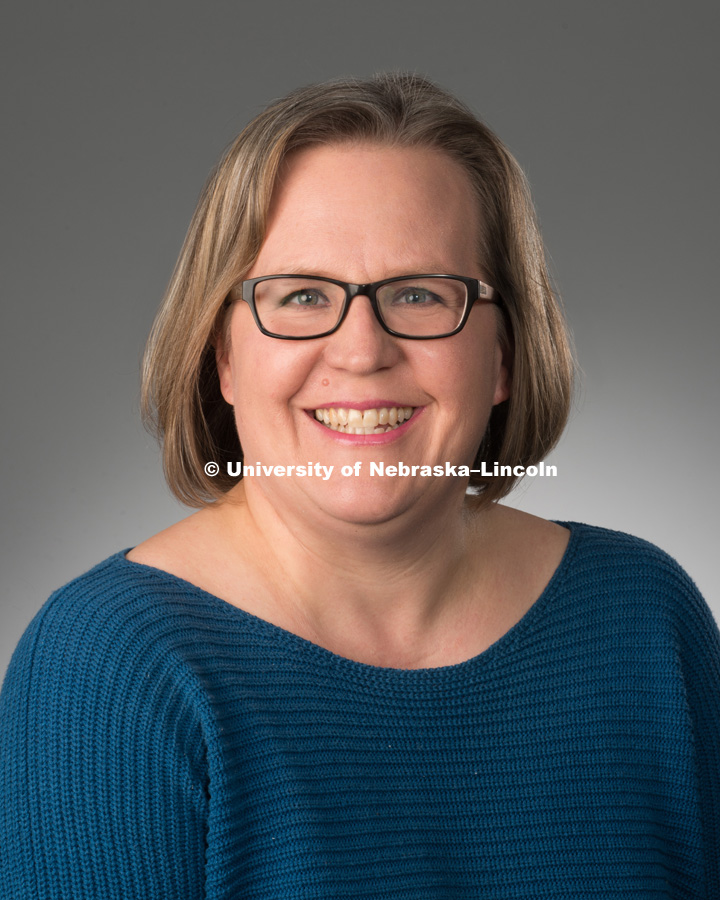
(476, 291)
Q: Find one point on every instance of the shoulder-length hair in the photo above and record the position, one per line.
(181, 397)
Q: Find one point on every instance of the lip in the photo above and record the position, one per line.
(365, 440)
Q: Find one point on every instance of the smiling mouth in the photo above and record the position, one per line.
(364, 421)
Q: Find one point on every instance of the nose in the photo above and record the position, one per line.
(361, 345)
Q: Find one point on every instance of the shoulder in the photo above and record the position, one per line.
(116, 597)
(621, 620)
(103, 735)
(626, 578)
(117, 624)
(102, 673)
(619, 561)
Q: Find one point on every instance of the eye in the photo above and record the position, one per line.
(416, 296)
(308, 297)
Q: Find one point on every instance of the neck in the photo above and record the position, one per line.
(385, 592)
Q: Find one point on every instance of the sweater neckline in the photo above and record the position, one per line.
(322, 655)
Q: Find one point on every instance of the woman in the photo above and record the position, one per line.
(334, 681)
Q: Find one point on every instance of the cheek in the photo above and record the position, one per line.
(466, 370)
(266, 375)
(472, 379)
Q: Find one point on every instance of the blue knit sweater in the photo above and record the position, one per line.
(158, 742)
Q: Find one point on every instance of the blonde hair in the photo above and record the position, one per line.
(181, 398)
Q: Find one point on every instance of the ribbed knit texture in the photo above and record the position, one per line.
(158, 742)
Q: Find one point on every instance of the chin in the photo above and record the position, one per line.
(374, 501)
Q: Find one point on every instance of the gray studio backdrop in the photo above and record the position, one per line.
(113, 116)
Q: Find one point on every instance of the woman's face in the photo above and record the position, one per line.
(362, 213)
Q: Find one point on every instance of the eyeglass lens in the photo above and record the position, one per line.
(302, 307)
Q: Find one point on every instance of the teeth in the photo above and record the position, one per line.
(368, 421)
(404, 413)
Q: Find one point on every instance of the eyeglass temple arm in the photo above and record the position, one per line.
(487, 293)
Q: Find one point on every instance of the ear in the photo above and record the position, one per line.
(224, 364)
(503, 382)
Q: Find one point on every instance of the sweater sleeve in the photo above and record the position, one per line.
(102, 761)
(699, 652)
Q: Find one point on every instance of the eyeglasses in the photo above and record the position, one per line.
(416, 307)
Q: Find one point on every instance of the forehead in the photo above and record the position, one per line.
(379, 207)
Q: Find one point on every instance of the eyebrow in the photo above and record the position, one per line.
(321, 272)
